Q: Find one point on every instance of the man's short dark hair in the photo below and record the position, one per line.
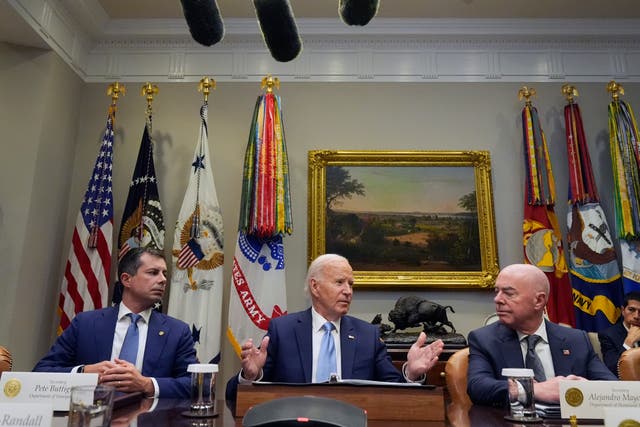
(130, 262)
(631, 296)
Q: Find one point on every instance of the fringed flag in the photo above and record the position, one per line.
(85, 285)
(142, 220)
(625, 158)
(541, 233)
(198, 257)
(595, 276)
(258, 293)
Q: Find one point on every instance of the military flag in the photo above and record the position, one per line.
(198, 257)
(595, 275)
(142, 220)
(85, 285)
(625, 158)
(258, 291)
(542, 239)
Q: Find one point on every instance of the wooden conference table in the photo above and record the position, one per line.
(168, 413)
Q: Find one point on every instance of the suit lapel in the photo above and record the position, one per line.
(303, 331)
(157, 334)
(347, 346)
(104, 325)
(560, 351)
(512, 351)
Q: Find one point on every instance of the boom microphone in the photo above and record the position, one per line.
(204, 21)
(357, 12)
(278, 28)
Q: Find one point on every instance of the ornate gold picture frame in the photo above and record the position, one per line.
(405, 218)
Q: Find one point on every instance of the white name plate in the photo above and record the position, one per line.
(42, 387)
(588, 399)
(26, 414)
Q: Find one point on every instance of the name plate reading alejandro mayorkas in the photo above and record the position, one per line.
(588, 399)
(42, 387)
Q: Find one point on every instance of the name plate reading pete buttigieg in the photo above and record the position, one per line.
(42, 387)
(588, 399)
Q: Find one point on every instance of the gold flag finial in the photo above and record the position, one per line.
(615, 89)
(269, 82)
(569, 92)
(149, 90)
(205, 86)
(526, 93)
(114, 90)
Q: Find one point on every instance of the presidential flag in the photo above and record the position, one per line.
(142, 220)
(258, 291)
(85, 285)
(198, 257)
(541, 232)
(625, 158)
(595, 276)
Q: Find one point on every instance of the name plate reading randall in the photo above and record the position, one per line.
(26, 414)
(42, 387)
(588, 399)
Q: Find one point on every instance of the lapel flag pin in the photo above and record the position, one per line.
(161, 333)
(566, 352)
(351, 337)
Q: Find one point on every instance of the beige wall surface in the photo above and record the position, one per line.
(39, 123)
(363, 116)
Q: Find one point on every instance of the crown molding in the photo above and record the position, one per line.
(386, 50)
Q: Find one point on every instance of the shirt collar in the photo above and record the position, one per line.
(123, 310)
(317, 321)
(541, 332)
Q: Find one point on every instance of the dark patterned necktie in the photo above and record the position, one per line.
(532, 361)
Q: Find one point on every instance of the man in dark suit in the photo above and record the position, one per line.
(625, 334)
(290, 351)
(163, 346)
(562, 353)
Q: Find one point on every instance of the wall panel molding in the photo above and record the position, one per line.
(386, 50)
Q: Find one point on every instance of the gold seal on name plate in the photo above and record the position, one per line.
(574, 397)
(629, 423)
(12, 388)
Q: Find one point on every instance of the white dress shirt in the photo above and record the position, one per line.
(542, 350)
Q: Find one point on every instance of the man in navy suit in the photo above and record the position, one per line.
(521, 294)
(290, 350)
(93, 341)
(625, 334)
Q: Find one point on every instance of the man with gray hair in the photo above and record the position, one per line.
(523, 337)
(311, 345)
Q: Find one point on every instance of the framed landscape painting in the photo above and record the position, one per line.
(405, 218)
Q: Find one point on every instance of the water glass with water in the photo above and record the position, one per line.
(91, 406)
(203, 390)
(522, 404)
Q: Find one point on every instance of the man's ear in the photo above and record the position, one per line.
(125, 279)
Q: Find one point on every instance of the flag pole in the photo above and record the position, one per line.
(149, 91)
(270, 82)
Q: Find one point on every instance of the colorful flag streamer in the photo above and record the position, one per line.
(85, 285)
(198, 257)
(595, 275)
(541, 232)
(625, 159)
(258, 291)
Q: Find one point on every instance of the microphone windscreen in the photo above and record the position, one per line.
(358, 12)
(278, 28)
(204, 21)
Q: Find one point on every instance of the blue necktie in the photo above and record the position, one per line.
(129, 351)
(327, 355)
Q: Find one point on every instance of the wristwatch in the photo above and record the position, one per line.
(81, 369)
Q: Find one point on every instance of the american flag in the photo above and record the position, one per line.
(86, 276)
